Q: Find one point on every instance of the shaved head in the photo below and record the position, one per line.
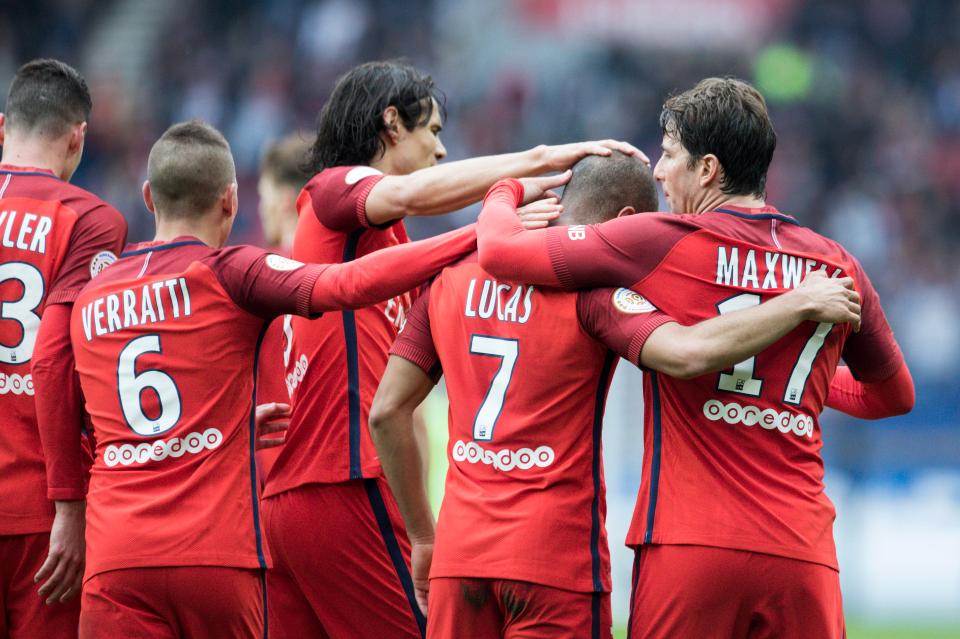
(189, 169)
(602, 186)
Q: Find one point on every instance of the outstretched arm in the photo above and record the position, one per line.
(451, 186)
(720, 342)
(388, 272)
(403, 386)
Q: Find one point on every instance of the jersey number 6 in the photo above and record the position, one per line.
(131, 385)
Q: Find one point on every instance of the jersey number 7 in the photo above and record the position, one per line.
(489, 412)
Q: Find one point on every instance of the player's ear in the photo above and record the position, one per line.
(391, 124)
(77, 135)
(148, 197)
(3, 128)
(230, 202)
(627, 210)
(710, 169)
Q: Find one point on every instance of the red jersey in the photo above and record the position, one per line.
(53, 238)
(731, 459)
(527, 381)
(336, 362)
(166, 344)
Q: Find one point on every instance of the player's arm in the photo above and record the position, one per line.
(876, 382)
(887, 398)
(640, 333)
(720, 342)
(404, 385)
(59, 404)
(453, 185)
(616, 253)
(388, 272)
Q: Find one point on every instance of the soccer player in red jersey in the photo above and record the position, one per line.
(53, 238)
(166, 344)
(521, 547)
(732, 528)
(375, 154)
(281, 180)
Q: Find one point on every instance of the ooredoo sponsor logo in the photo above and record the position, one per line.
(734, 413)
(503, 459)
(16, 384)
(296, 376)
(160, 449)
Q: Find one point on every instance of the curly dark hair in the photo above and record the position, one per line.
(350, 123)
(728, 118)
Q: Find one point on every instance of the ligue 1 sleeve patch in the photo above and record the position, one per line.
(357, 173)
(100, 261)
(627, 301)
(280, 263)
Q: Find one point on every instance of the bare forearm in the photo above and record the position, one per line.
(454, 185)
(721, 342)
(396, 443)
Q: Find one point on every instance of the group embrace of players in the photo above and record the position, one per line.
(144, 491)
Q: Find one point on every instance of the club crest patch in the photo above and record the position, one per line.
(100, 261)
(627, 301)
(280, 263)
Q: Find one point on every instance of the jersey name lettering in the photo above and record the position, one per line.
(148, 304)
(502, 299)
(759, 269)
(27, 232)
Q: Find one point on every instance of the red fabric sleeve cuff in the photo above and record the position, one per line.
(65, 494)
(425, 360)
(643, 333)
(362, 204)
(305, 292)
(63, 296)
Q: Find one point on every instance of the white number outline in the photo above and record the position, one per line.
(131, 384)
(21, 311)
(507, 350)
(797, 382)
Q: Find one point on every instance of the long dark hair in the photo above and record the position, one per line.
(349, 126)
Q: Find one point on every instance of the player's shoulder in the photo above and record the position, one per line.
(339, 178)
(243, 257)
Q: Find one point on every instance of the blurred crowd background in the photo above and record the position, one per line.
(864, 94)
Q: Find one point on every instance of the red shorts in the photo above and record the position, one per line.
(173, 602)
(698, 591)
(341, 564)
(23, 613)
(505, 609)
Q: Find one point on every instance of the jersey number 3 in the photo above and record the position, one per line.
(131, 386)
(489, 412)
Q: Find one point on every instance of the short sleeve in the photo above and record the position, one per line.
(620, 319)
(338, 197)
(872, 353)
(97, 238)
(621, 252)
(262, 283)
(415, 342)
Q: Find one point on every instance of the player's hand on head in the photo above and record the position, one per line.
(62, 571)
(421, 556)
(539, 188)
(563, 156)
(270, 420)
(831, 299)
(539, 214)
